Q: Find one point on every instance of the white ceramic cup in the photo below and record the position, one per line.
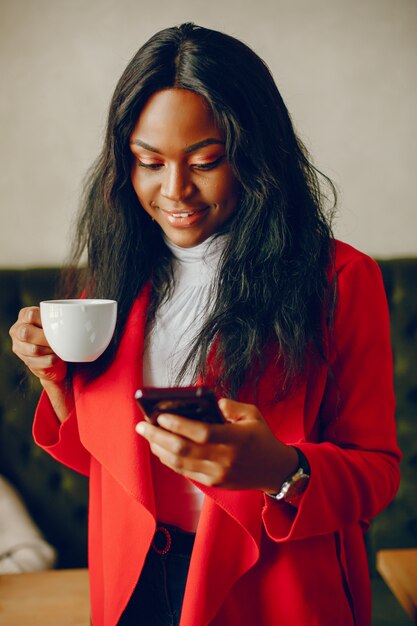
(78, 331)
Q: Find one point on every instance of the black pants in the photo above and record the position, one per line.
(157, 599)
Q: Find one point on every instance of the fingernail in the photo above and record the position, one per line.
(140, 428)
(164, 421)
(30, 316)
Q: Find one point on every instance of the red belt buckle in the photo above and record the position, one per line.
(165, 531)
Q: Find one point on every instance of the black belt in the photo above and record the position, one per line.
(172, 539)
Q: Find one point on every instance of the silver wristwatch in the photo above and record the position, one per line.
(293, 488)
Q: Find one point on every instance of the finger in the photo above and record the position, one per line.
(200, 470)
(31, 314)
(24, 349)
(182, 448)
(42, 366)
(191, 429)
(203, 479)
(29, 333)
(165, 439)
(195, 430)
(43, 363)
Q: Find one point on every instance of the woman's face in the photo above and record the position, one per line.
(180, 172)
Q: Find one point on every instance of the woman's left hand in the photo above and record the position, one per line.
(243, 453)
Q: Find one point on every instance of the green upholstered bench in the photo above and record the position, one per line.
(57, 496)
(396, 527)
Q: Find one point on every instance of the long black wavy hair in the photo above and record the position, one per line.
(272, 286)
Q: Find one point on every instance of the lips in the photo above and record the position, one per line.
(185, 217)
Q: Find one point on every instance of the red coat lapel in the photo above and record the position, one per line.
(231, 521)
(108, 413)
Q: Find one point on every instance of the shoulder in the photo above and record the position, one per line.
(347, 261)
(344, 254)
(358, 283)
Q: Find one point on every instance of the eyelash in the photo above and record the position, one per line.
(202, 167)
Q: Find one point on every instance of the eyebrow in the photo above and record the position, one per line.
(193, 148)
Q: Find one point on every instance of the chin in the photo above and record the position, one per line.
(187, 239)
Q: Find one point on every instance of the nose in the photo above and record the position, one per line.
(176, 184)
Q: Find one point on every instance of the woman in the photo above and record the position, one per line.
(204, 218)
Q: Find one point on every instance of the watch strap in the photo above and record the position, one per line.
(293, 488)
(302, 461)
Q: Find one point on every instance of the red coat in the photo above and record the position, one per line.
(255, 561)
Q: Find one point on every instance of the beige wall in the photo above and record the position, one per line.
(346, 69)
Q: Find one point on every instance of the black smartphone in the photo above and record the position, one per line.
(196, 403)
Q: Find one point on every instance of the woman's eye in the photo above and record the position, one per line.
(208, 166)
(196, 166)
(150, 166)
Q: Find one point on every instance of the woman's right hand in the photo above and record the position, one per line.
(31, 346)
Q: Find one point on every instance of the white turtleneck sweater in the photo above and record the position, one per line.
(176, 324)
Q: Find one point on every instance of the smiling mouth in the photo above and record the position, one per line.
(185, 218)
(184, 214)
